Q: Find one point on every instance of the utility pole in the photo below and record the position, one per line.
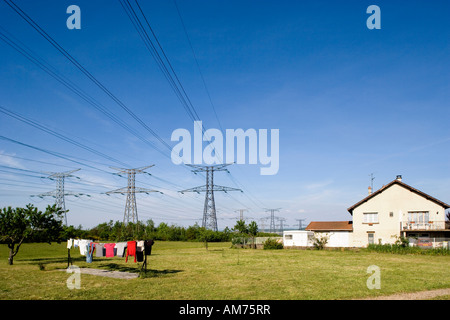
(272, 218)
(209, 209)
(59, 193)
(131, 190)
(300, 223)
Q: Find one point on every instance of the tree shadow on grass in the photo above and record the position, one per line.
(44, 261)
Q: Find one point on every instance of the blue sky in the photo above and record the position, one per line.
(348, 102)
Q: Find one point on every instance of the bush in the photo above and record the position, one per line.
(272, 244)
(320, 243)
(400, 249)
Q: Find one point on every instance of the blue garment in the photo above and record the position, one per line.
(89, 251)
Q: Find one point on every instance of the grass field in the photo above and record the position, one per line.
(185, 270)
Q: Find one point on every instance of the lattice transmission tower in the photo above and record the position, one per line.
(209, 210)
(59, 193)
(272, 218)
(131, 213)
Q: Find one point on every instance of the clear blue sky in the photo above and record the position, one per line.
(348, 102)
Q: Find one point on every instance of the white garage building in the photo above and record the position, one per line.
(297, 238)
(339, 234)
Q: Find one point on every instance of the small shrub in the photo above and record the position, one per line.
(272, 244)
(319, 243)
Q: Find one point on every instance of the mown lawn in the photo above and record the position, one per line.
(184, 270)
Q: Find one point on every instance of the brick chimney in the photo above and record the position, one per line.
(370, 191)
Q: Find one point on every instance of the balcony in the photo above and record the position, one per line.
(430, 225)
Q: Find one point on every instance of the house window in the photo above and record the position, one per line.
(370, 238)
(391, 214)
(419, 216)
(288, 236)
(370, 217)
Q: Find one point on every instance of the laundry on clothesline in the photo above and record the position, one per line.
(136, 249)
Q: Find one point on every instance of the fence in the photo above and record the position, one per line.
(430, 242)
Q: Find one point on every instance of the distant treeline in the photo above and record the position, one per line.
(117, 231)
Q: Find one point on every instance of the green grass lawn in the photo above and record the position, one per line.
(185, 270)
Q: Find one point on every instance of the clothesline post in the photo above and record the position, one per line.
(69, 260)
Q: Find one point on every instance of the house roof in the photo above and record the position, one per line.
(404, 185)
(330, 226)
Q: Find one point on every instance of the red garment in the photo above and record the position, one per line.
(131, 250)
(109, 249)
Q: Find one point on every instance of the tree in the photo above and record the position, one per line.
(241, 227)
(244, 231)
(253, 231)
(20, 224)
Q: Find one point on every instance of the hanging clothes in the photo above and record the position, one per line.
(131, 250)
(120, 249)
(139, 246)
(148, 247)
(109, 249)
(99, 250)
(83, 245)
(89, 251)
(69, 243)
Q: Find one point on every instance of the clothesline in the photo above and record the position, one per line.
(134, 248)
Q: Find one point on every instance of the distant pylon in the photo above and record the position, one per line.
(272, 218)
(59, 193)
(300, 224)
(131, 190)
(241, 213)
(209, 209)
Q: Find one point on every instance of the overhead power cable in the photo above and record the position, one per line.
(78, 65)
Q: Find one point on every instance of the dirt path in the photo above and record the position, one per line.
(106, 273)
(420, 295)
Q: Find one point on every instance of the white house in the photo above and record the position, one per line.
(395, 210)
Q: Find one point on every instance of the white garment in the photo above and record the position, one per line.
(83, 246)
(69, 243)
(140, 246)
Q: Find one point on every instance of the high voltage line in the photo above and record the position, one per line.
(164, 65)
(80, 67)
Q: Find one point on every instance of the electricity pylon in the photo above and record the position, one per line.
(59, 193)
(300, 224)
(241, 213)
(272, 218)
(131, 190)
(209, 209)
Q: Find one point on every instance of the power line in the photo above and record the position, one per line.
(198, 65)
(78, 65)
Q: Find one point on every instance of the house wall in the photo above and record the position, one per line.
(399, 201)
(336, 238)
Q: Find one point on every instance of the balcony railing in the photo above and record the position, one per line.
(431, 225)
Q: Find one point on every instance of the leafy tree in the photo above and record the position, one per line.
(241, 227)
(21, 224)
(206, 235)
(253, 231)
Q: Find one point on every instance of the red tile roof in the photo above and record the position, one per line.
(330, 226)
